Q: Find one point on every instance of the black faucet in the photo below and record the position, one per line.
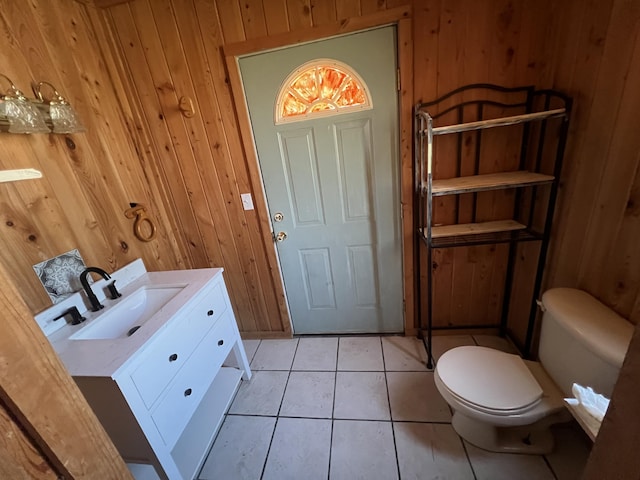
(95, 304)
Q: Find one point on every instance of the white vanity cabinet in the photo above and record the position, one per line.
(164, 405)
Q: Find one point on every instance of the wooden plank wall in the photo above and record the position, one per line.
(89, 179)
(126, 66)
(598, 221)
(172, 50)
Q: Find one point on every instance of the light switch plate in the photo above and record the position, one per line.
(247, 201)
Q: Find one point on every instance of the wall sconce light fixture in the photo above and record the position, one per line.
(58, 114)
(19, 114)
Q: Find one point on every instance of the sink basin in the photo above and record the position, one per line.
(133, 310)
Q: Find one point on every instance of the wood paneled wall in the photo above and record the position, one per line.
(598, 223)
(90, 178)
(171, 50)
(126, 65)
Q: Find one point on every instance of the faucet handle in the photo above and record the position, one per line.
(113, 290)
(76, 318)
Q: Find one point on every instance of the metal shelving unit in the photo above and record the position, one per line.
(543, 115)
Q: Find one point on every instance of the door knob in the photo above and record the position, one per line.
(281, 236)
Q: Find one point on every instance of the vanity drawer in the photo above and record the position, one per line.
(169, 353)
(183, 396)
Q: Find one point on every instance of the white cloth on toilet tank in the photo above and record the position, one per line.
(593, 403)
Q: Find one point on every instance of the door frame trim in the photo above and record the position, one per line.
(401, 17)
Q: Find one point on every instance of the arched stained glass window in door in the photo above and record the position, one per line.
(320, 88)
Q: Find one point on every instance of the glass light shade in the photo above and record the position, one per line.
(64, 118)
(21, 115)
(59, 115)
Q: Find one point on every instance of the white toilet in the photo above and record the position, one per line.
(503, 403)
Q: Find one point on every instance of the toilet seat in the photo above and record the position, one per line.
(489, 380)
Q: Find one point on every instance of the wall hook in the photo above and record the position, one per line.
(186, 107)
(139, 212)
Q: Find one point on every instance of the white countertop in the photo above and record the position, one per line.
(105, 357)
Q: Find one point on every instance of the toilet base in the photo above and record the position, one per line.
(534, 439)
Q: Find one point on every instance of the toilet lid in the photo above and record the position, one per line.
(488, 378)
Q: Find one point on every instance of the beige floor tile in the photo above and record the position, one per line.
(414, 397)
(309, 394)
(496, 342)
(240, 449)
(363, 447)
(274, 354)
(261, 395)
(404, 354)
(442, 343)
(360, 354)
(300, 449)
(428, 451)
(572, 448)
(362, 450)
(316, 354)
(250, 347)
(507, 466)
(361, 396)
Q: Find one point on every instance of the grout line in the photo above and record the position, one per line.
(333, 407)
(466, 453)
(266, 457)
(254, 352)
(553, 472)
(286, 384)
(277, 416)
(393, 430)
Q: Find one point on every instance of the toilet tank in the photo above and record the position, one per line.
(582, 341)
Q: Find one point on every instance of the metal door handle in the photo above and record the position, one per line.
(281, 236)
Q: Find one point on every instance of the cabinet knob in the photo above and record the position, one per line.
(210, 312)
(220, 343)
(187, 392)
(173, 357)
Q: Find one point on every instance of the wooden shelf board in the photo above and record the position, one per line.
(492, 181)
(590, 425)
(475, 228)
(498, 122)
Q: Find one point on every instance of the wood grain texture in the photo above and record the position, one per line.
(276, 17)
(253, 18)
(20, 459)
(46, 402)
(598, 62)
(323, 12)
(490, 181)
(88, 179)
(405, 59)
(299, 13)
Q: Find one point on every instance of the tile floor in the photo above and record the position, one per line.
(362, 407)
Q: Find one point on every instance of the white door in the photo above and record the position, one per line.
(332, 185)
